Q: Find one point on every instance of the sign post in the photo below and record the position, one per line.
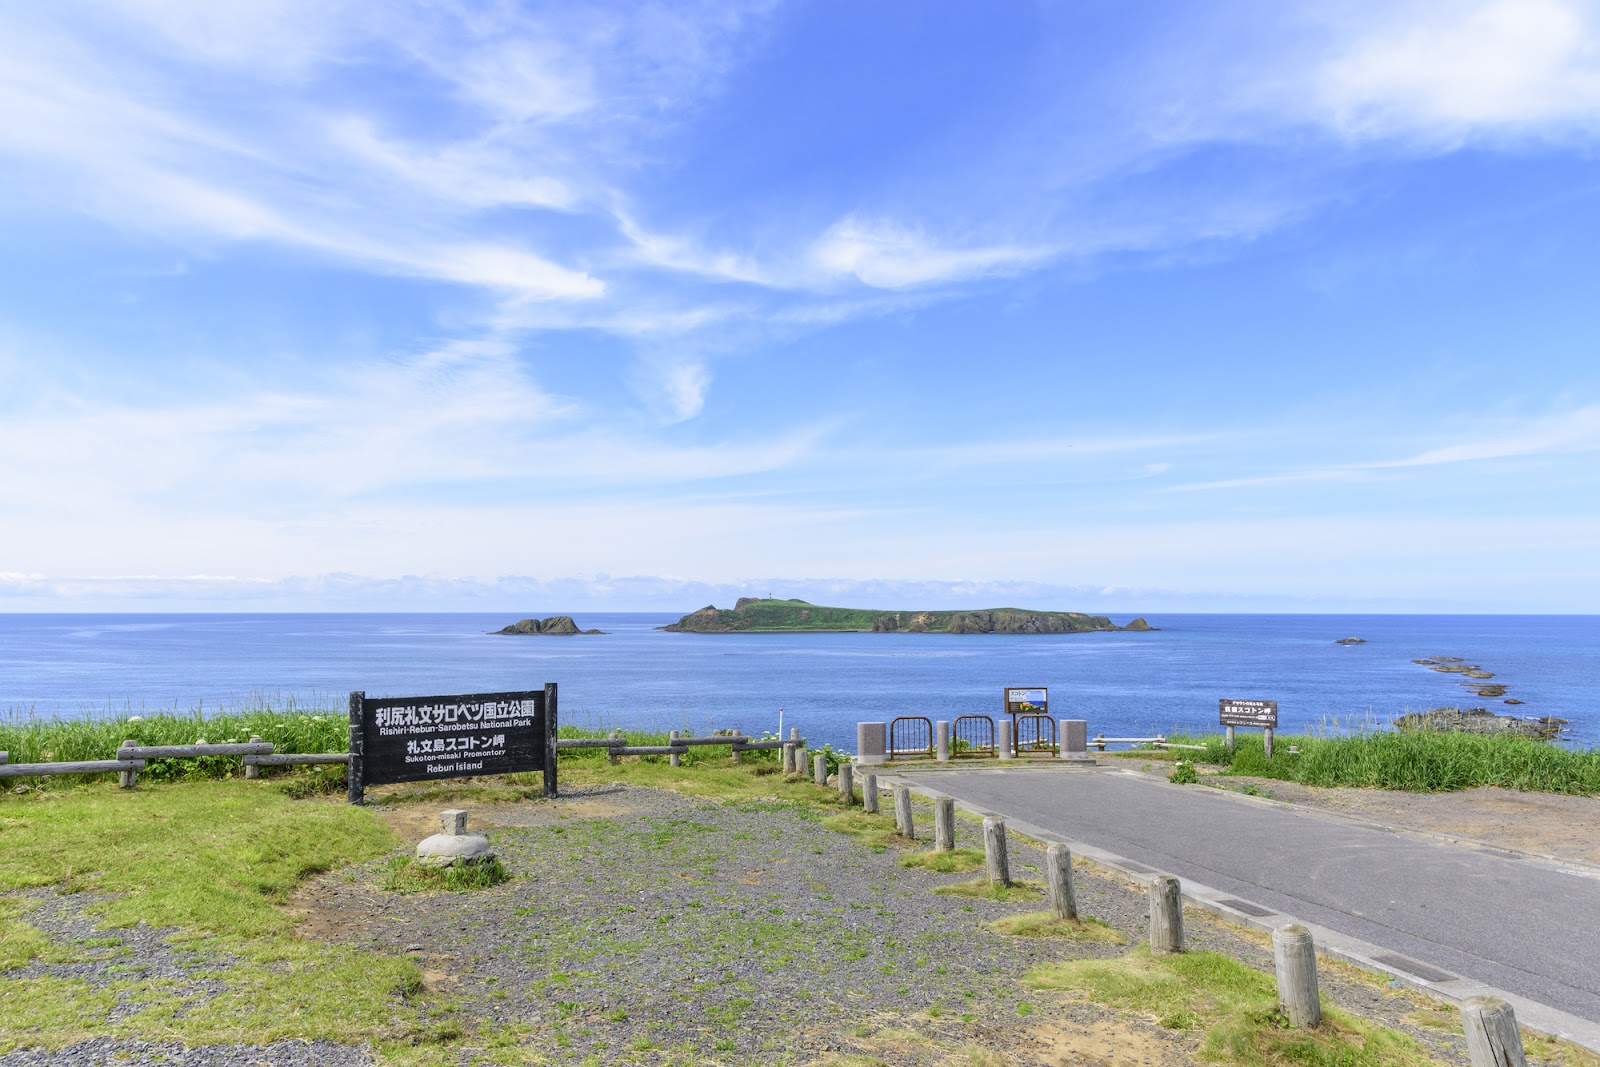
(1260, 714)
(411, 739)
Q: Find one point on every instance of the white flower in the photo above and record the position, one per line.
(136, 718)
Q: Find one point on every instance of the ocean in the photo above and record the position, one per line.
(1124, 684)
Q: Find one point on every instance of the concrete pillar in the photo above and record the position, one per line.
(1003, 727)
(941, 740)
(872, 742)
(1074, 739)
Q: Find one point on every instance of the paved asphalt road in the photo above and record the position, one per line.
(1525, 925)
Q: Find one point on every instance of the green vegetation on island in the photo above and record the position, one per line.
(556, 625)
(766, 615)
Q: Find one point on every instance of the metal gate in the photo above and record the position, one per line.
(972, 735)
(910, 735)
(1035, 734)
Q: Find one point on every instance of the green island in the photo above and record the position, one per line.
(771, 615)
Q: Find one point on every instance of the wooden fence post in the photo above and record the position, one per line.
(611, 753)
(1227, 739)
(903, 820)
(1058, 874)
(819, 769)
(125, 779)
(674, 759)
(1166, 914)
(252, 770)
(869, 793)
(994, 851)
(800, 764)
(355, 774)
(1266, 741)
(944, 824)
(1492, 1036)
(847, 789)
(1295, 957)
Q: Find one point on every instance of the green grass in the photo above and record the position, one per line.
(1414, 762)
(1233, 1006)
(404, 874)
(1045, 924)
(212, 862)
(956, 861)
(980, 889)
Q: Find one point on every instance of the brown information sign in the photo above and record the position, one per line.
(410, 739)
(1258, 713)
(1027, 700)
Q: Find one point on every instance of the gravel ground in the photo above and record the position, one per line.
(647, 927)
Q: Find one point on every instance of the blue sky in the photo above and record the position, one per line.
(1111, 306)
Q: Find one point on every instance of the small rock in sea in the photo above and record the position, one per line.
(1512, 700)
(1351, 641)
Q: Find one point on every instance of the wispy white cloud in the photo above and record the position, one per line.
(887, 255)
(1567, 433)
(1455, 68)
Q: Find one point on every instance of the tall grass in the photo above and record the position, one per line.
(1416, 762)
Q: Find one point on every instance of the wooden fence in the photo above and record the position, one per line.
(254, 754)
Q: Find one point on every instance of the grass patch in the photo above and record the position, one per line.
(1045, 924)
(405, 875)
(1233, 1006)
(980, 889)
(956, 861)
(1420, 762)
(20, 943)
(874, 831)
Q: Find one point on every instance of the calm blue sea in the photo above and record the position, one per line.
(76, 666)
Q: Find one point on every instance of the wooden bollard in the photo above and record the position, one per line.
(819, 769)
(1266, 741)
(611, 753)
(1058, 876)
(1166, 914)
(1492, 1036)
(674, 759)
(847, 788)
(125, 779)
(994, 851)
(1295, 956)
(250, 769)
(903, 820)
(800, 760)
(869, 793)
(944, 824)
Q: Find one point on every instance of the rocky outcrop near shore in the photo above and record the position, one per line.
(1478, 721)
(557, 625)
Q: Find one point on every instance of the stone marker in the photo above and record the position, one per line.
(454, 846)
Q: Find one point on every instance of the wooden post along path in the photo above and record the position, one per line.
(1492, 1036)
(903, 821)
(819, 769)
(994, 851)
(673, 759)
(1295, 957)
(869, 793)
(944, 824)
(1058, 876)
(847, 789)
(1166, 914)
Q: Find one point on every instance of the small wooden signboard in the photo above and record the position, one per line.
(411, 739)
(1021, 700)
(1260, 714)
(1257, 713)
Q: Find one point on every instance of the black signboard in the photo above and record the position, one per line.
(1027, 700)
(1258, 713)
(410, 739)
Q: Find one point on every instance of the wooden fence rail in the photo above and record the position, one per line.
(255, 754)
